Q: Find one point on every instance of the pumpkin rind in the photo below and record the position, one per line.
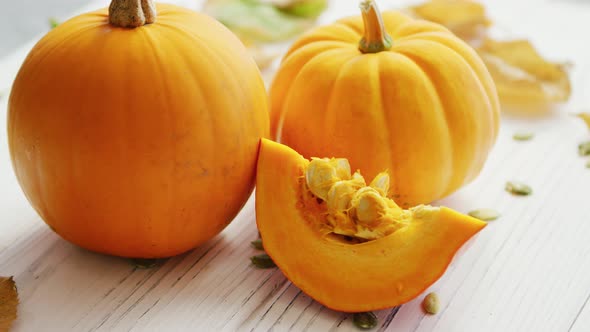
(137, 142)
(353, 278)
(426, 109)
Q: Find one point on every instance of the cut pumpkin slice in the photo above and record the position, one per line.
(341, 241)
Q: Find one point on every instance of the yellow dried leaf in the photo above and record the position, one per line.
(585, 117)
(466, 19)
(8, 303)
(522, 76)
(526, 82)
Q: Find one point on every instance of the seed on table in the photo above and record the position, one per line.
(584, 149)
(431, 303)
(523, 136)
(262, 261)
(518, 188)
(485, 214)
(257, 244)
(364, 320)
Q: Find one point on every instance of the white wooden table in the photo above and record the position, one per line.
(527, 271)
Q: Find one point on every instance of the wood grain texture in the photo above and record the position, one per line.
(528, 271)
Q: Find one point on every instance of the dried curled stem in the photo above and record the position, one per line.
(132, 13)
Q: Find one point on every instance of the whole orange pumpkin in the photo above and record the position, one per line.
(388, 92)
(136, 135)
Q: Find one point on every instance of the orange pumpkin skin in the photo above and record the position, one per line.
(137, 142)
(374, 275)
(426, 109)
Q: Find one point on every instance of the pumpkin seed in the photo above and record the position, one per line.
(584, 149)
(485, 214)
(364, 320)
(431, 304)
(523, 136)
(257, 244)
(518, 188)
(144, 263)
(262, 261)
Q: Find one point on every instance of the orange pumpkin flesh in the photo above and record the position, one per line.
(349, 277)
(138, 142)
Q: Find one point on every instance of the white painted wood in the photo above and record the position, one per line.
(527, 271)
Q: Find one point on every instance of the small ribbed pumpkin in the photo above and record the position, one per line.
(134, 135)
(410, 97)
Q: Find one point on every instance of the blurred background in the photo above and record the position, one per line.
(23, 20)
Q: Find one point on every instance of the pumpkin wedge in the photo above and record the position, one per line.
(344, 243)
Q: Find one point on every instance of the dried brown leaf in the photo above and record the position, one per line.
(522, 76)
(8, 303)
(466, 19)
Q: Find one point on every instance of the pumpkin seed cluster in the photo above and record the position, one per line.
(353, 208)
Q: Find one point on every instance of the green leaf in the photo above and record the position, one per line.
(53, 22)
(254, 21)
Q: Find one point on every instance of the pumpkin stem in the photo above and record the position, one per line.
(376, 39)
(132, 13)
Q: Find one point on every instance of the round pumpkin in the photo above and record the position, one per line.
(389, 92)
(343, 242)
(136, 135)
